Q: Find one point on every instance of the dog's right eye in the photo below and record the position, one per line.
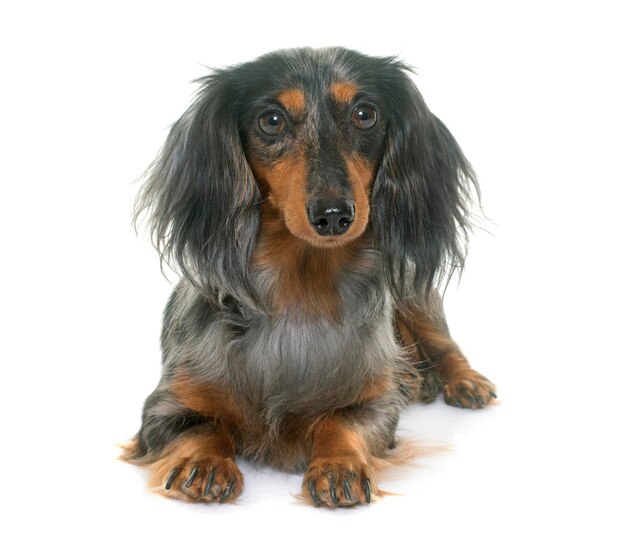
(272, 123)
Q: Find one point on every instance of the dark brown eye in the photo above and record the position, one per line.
(363, 117)
(272, 123)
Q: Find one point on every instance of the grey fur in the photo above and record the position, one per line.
(291, 365)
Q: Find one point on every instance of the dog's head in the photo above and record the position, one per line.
(332, 143)
(314, 133)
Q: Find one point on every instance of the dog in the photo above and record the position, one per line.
(314, 206)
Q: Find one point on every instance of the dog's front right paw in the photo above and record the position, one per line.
(213, 479)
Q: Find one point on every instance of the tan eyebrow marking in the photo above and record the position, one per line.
(343, 92)
(292, 100)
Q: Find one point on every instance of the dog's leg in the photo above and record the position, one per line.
(422, 383)
(341, 471)
(199, 466)
(187, 442)
(430, 346)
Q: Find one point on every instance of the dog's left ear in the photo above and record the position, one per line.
(421, 195)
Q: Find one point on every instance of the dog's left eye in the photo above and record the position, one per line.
(272, 123)
(363, 117)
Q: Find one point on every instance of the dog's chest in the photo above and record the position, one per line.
(292, 362)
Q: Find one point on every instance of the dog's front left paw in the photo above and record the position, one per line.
(339, 484)
(471, 390)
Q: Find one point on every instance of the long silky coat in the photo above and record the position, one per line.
(313, 204)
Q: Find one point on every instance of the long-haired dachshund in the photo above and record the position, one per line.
(313, 204)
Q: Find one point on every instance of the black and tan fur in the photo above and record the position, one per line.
(312, 203)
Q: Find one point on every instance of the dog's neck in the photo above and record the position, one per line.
(304, 277)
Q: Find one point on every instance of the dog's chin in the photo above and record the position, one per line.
(330, 242)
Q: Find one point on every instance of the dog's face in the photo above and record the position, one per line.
(314, 144)
(322, 144)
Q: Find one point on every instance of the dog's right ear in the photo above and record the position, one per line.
(200, 196)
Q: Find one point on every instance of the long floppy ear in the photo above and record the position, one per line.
(201, 197)
(421, 196)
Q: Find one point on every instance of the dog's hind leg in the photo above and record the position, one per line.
(432, 351)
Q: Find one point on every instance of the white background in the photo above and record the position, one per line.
(534, 93)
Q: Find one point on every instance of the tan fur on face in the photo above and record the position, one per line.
(360, 175)
(293, 101)
(343, 92)
(284, 184)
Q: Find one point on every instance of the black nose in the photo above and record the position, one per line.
(330, 217)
